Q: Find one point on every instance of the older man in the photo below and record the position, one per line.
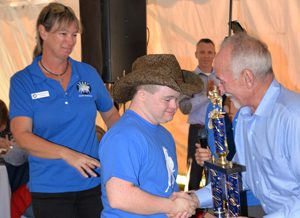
(267, 130)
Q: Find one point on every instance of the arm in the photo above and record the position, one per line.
(290, 204)
(204, 196)
(125, 196)
(21, 127)
(110, 117)
(185, 105)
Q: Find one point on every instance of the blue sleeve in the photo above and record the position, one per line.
(20, 96)
(291, 206)
(120, 158)
(204, 196)
(104, 101)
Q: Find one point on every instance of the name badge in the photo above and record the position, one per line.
(38, 95)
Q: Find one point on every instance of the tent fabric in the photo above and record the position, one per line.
(174, 26)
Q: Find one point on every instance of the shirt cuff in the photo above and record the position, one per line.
(204, 196)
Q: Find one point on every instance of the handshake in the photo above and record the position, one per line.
(184, 204)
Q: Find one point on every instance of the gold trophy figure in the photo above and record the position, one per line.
(225, 176)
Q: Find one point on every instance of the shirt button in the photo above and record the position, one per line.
(256, 182)
(66, 102)
(253, 158)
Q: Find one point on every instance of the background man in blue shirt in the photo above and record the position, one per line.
(195, 106)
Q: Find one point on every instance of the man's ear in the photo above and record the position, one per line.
(248, 78)
(141, 94)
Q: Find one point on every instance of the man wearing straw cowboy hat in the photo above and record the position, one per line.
(137, 155)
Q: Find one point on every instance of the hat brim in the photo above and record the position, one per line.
(124, 88)
(192, 83)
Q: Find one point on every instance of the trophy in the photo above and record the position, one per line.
(225, 176)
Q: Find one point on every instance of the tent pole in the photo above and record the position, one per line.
(230, 17)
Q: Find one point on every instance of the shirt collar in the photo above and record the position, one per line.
(199, 71)
(268, 101)
(36, 71)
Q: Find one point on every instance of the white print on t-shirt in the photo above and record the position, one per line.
(170, 169)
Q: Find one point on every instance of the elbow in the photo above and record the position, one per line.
(114, 202)
(119, 193)
(18, 138)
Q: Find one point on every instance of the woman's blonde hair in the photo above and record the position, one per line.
(52, 14)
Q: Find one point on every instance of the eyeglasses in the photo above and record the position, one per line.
(55, 8)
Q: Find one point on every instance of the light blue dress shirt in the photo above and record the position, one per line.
(268, 143)
(200, 100)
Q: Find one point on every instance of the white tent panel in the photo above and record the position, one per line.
(174, 27)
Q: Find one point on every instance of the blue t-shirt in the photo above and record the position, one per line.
(140, 153)
(66, 118)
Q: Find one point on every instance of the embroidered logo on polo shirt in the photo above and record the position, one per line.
(84, 88)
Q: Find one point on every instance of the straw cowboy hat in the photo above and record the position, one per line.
(156, 69)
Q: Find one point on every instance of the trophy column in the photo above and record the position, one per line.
(225, 176)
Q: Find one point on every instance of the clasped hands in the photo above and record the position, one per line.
(185, 206)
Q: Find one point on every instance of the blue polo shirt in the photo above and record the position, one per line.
(66, 118)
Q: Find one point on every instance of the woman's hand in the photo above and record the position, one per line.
(83, 163)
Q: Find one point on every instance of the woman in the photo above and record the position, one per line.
(53, 107)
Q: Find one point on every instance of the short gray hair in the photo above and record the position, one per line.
(249, 53)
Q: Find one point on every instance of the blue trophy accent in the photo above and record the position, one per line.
(226, 180)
